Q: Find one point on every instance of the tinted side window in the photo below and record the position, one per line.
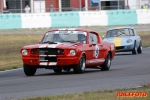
(126, 31)
(93, 38)
(131, 32)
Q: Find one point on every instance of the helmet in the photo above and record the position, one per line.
(114, 33)
(56, 36)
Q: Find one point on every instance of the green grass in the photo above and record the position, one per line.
(10, 46)
(98, 95)
(12, 41)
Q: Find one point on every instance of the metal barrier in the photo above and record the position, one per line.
(16, 11)
(111, 7)
(67, 9)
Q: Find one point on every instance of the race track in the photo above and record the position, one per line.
(127, 70)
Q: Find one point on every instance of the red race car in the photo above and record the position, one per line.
(63, 49)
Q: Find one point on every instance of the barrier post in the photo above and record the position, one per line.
(31, 6)
(118, 4)
(1, 6)
(21, 5)
(86, 5)
(4, 1)
(4, 5)
(80, 5)
(60, 9)
(99, 4)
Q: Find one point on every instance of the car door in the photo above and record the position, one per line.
(135, 37)
(95, 50)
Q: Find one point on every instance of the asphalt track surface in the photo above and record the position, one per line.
(127, 71)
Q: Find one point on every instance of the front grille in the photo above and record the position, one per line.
(49, 54)
(51, 59)
(48, 59)
(119, 48)
(51, 51)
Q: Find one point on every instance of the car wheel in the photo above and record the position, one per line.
(80, 67)
(134, 49)
(57, 70)
(107, 63)
(29, 70)
(139, 50)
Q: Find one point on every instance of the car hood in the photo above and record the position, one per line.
(55, 45)
(119, 41)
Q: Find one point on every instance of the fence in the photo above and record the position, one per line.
(66, 9)
(74, 19)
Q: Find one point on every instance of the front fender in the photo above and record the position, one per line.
(110, 49)
(80, 55)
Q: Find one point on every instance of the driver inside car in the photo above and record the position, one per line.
(81, 38)
(114, 33)
(57, 38)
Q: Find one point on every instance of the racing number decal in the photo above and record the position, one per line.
(96, 51)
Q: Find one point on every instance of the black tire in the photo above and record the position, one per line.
(29, 70)
(107, 63)
(134, 51)
(80, 67)
(139, 50)
(57, 70)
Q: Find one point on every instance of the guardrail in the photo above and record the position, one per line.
(74, 19)
(44, 10)
(90, 8)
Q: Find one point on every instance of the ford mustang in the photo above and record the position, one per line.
(125, 39)
(65, 49)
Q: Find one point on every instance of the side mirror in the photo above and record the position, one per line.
(90, 45)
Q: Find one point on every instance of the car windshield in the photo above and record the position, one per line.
(119, 32)
(65, 36)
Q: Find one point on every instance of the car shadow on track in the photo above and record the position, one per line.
(123, 54)
(87, 71)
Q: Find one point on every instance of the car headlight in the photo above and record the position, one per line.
(72, 52)
(24, 52)
(129, 40)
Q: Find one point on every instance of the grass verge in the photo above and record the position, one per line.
(10, 45)
(102, 95)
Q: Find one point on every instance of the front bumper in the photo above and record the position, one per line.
(124, 48)
(60, 61)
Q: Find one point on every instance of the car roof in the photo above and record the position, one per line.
(120, 28)
(73, 29)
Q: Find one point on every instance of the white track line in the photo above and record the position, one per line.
(10, 70)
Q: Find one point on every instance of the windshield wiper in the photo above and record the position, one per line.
(68, 41)
(50, 42)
